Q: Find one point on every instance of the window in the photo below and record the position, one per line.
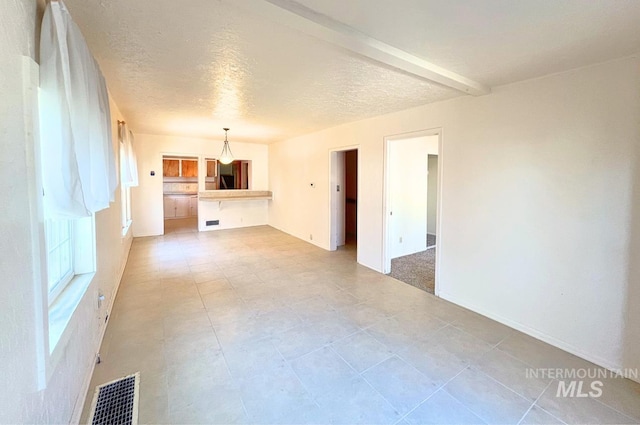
(126, 208)
(125, 192)
(71, 265)
(70, 252)
(128, 173)
(78, 168)
(59, 242)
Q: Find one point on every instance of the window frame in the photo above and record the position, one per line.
(53, 292)
(125, 194)
(83, 256)
(63, 303)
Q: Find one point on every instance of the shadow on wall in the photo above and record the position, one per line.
(41, 5)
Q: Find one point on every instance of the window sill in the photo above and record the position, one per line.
(62, 309)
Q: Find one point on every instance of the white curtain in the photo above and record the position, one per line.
(128, 161)
(78, 162)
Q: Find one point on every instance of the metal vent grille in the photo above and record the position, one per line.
(116, 402)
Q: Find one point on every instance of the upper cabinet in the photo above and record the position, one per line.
(212, 167)
(180, 167)
(189, 168)
(171, 167)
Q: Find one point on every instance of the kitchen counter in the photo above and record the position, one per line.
(180, 193)
(235, 195)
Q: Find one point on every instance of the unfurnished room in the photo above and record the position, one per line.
(320, 212)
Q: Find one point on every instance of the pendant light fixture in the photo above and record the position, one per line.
(226, 157)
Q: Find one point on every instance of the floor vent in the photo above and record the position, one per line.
(116, 402)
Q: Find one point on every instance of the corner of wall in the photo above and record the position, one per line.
(631, 336)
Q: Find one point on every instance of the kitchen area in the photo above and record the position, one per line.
(202, 193)
(180, 193)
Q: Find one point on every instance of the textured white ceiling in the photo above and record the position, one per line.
(191, 67)
(497, 42)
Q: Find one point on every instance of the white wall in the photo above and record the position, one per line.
(631, 340)
(233, 214)
(407, 195)
(147, 212)
(20, 247)
(536, 201)
(432, 195)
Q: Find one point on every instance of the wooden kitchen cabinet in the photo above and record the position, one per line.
(189, 168)
(171, 167)
(178, 167)
(169, 204)
(193, 206)
(212, 168)
(180, 206)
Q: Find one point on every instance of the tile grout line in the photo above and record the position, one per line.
(290, 367)
(535, 402)
(551, 381)
(441, 387)
(522, 396)
(635, 420)
(215, 333)
(165, 246)
(361, 375)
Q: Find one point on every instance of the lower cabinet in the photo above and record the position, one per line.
(169, 207)
(180, 206)
(193, 206)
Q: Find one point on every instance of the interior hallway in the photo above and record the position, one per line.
(254, 326)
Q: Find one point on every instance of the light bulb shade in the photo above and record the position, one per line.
(226, 157)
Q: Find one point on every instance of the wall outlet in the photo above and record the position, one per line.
(400, 239)
(310, 237)
(212, 222)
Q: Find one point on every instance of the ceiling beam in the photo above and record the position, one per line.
(301, 18)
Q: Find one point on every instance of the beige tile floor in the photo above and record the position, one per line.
(180, 225)
(254, 326)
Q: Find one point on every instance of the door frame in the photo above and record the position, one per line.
(332, 224)
(386, 227)
(162, 155)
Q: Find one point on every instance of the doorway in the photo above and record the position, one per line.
(432, 200)
(344, 199)
(180, 193)
(412, 201)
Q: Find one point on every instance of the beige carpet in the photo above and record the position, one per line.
(417, 269)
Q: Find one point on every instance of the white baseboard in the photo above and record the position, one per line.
(535, 333)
